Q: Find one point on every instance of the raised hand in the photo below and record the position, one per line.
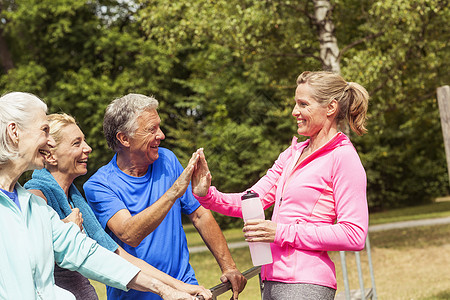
(180, 185)
(201, 178)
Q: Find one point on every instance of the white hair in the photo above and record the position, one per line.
(19, 108)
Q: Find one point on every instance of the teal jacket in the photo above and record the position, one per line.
(34, 238)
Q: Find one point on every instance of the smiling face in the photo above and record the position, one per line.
(71, 154)
(35, 141)
(311, 115)
(144, 144)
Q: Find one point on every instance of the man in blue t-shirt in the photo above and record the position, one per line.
(140, 194)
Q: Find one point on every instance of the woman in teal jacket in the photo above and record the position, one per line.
(33, 237)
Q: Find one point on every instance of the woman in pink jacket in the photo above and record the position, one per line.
(318, 188)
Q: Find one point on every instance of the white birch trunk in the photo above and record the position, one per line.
(329, 49)
(443, 96)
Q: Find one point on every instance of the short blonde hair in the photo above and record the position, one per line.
(352, 98)
(20, 108)
(57, 123)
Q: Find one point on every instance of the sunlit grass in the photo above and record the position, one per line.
(194, 239)
(439, 296)
(100, 288)
(428, 211)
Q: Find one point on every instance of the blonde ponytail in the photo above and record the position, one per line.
(357, 108)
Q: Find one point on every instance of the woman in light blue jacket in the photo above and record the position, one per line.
(32, 235)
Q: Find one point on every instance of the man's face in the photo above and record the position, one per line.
(145, 142)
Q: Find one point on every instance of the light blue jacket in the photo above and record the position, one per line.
(34, 238)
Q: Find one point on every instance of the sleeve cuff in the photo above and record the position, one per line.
(204, 200)
(109, 268)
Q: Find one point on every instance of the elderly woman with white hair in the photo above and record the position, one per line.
(33, 237)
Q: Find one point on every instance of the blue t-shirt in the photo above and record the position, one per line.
(13, 196)
(110, 190)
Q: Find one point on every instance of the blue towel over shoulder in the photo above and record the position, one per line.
(57, 199)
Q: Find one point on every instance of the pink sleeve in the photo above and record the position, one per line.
(224, 203)
(229, 204)
(266, 187)
(350, 231)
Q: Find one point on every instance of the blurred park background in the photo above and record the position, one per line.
(224, 72)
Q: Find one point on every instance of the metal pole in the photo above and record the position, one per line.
(261, 285)
(345, 274)
(372, 276)
(360, 275)
(225, 286)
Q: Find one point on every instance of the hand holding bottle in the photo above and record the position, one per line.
(260, 231)
(253, 214)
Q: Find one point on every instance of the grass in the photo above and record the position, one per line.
(440, 296)
(428, 211)
(409, 263)
(100, 288)
(194, 239)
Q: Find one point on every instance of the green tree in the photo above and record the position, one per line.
(402, 68)
(237, 51)
(79, 55)
(224, 72)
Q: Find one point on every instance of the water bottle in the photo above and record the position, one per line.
(252, 209)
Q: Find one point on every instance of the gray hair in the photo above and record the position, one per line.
(19, 108)
(121, 116)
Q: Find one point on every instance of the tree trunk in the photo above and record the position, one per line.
(329, 49)
(6, 61)
(443, 96)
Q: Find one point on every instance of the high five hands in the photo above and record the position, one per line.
(201, 177)
(254, 230)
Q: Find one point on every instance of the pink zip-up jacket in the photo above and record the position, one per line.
(320, 206)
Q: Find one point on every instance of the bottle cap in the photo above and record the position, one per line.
(249, 195)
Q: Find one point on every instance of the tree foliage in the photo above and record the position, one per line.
(225, 70)
(408, 60)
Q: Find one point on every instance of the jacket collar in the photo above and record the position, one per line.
(339, 139)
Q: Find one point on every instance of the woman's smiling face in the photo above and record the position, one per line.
(71, 154)
(35, 141)
(309, 113)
